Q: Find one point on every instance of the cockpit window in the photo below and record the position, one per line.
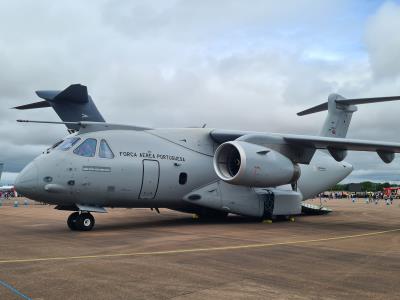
(68, 143)
(87, 148)
(105, 151)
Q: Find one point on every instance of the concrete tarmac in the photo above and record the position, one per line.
(352, 253)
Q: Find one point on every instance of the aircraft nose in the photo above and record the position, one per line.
(26, 181)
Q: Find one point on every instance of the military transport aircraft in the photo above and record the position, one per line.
(210, 172)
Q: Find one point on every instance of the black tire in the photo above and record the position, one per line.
(85, 222)
(72, 221)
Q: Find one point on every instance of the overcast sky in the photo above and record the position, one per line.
(248, 65)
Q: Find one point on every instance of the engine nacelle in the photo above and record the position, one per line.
(247, 164)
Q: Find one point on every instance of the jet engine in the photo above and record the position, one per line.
(243, 163)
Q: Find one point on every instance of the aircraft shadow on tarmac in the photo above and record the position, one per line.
(319, 222)
(174, 222)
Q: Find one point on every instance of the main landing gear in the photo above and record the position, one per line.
(82, 221)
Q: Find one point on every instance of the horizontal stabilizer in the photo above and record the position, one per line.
(315, 109)
(367, 100)
(85, 127)
(347, 102)
(50, 122)
(40, 104)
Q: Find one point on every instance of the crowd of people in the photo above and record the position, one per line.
(369, 197)
(7, 194)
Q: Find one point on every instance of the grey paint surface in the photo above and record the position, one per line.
(121, 187)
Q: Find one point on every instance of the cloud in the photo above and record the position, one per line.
(383, 41)
(199, 21)
(392, 176)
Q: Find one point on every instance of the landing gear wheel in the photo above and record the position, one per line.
(80, 221)
(85, 222)
(72, 220)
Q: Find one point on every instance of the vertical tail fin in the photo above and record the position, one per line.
(73, 104)
(339, 116)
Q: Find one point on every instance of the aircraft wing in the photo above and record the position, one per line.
(338, 146)
(342, 143)
(301, 148)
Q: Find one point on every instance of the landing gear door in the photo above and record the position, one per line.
(151, 175)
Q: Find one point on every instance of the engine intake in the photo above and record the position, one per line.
(243, 163)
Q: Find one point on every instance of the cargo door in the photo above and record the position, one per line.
(151, 174)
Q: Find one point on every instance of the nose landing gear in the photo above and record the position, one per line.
(82, 221)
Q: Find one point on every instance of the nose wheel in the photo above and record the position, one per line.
(81, 221)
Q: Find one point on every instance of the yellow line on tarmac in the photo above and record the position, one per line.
(194, 250)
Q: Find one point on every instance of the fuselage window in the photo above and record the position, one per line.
(87, 148)
(182, 178)
(68, 143)
(105, 151)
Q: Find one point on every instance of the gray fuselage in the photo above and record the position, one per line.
(150, 168)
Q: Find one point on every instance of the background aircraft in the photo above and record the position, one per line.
(5, 188)
(210, 172)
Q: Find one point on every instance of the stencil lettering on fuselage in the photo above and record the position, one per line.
(151, 155)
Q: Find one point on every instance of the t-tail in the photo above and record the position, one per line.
(337, 122)
(73, 104)
(340, 111)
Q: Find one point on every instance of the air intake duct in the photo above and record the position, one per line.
(243, 163)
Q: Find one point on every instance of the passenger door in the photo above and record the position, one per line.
(150, 178)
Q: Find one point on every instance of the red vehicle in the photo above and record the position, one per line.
(392, 191)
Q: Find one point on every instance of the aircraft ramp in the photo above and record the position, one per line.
(312, 209)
